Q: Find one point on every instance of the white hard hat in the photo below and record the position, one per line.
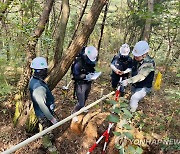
(39, 63)
(91, 53)
(140, 48)
(124, 49)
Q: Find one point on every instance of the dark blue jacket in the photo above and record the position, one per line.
(40, 95)
(81, 68)
(121, 63)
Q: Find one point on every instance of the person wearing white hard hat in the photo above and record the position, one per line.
(143, 68)
(121, 66)
(41, 96)
(82, 71)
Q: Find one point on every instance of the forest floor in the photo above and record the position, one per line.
(160, 113)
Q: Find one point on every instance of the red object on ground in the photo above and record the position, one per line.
(106, 133)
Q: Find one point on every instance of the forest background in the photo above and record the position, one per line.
(58, 29)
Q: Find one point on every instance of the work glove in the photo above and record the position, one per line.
(124, 83)
(54, 121)
(89, 76)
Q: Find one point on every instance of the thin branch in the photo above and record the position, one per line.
(79, 21)
(103, 23)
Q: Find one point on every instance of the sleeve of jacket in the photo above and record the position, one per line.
(39, 94)
(129, 69)
(77, 72)
(114, 60)
(143, 72)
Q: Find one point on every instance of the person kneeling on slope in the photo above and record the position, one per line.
(143, 68)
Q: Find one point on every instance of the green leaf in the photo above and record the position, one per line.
(121, 151)
(128, 127)
(123, 105)
(131, 149)
(118, 146)
(141, 125)
(128, 135)
(113, 118)
(124, 100)
(127, 113)
(117, 133)
(178, 75)
(112, 102)
(116, 110)
(139, 150)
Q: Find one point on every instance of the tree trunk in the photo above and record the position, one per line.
(79, 21)
(31, 45)
(147, 28)
(170, 44)
(60, 70)
(30, 50)
(55, 19)
(62, 30)
(168, 56)
(102, 27)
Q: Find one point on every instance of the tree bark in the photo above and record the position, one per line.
(102, 27)
(31, 45)
(60, 70)
(147, 28)
(79, 21)
(24, 80)
(62, 30)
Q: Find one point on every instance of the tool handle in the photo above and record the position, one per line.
(117, 94)
(93, 147)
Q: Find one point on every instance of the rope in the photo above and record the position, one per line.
(38, 135)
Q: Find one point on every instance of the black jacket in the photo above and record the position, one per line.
(80, 69)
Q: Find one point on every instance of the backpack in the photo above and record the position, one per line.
(77, 59)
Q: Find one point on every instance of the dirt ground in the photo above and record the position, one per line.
(160, 117)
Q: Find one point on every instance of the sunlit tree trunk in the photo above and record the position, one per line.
(102, 27)
(60, 70)
(61, 32)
